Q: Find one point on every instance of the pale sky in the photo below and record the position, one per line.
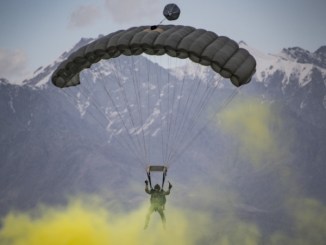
(34, 33)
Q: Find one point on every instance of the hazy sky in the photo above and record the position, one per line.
(36, 32)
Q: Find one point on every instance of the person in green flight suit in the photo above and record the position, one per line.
(158, 201)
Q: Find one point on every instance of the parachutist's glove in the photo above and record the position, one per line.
(146, 182)
(170, 186)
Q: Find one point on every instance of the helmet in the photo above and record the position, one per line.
(157, 187)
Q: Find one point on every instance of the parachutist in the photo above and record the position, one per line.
(158, 201)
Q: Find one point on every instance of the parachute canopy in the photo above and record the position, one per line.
(171, 11)
(204, 47)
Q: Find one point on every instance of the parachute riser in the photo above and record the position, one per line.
(156, 168)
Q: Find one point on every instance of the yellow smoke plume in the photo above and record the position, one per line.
(254, 125)
(88, 223)
(309, 223)
(262, 138)
(91, 222)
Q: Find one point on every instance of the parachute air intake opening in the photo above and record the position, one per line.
(153, 27)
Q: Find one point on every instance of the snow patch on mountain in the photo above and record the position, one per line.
(289, 62)
(44, 81)
(11, 104)
(102, 69)
(193, 71)
(82, 104)
(149, 122)
(4, 81)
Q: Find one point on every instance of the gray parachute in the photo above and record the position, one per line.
(201, 46)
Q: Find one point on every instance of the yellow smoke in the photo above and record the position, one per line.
(262, 138)
(309, 223)
(91, 222)
(253, 125)
(88, 222)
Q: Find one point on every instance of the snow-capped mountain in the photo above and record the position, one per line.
(42, 75)
(52, 143)
(300, 55)
(295, 64)
(298, 78)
